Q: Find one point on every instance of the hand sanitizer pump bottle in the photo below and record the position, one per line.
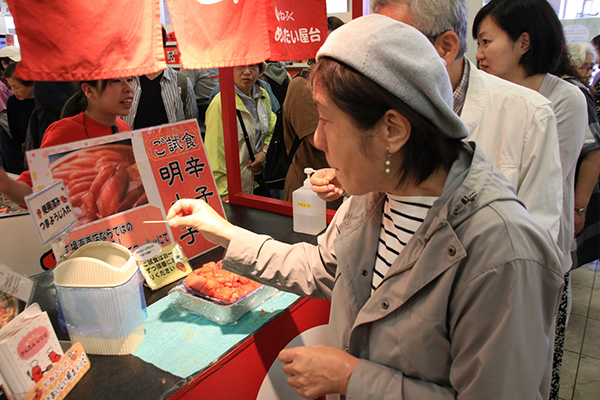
(309, 209)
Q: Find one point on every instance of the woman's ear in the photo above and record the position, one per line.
(88, 90)
(524, 42)
(397, 130)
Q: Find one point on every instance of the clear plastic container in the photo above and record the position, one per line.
(101, 299)
(215, 310)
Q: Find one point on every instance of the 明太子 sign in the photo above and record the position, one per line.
(117, 182)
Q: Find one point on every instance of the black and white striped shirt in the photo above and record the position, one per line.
(171, 97)
(402, 216)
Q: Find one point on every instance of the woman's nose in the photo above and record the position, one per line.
(479, 54)
(319, 139)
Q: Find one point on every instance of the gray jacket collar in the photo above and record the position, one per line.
(472, 183)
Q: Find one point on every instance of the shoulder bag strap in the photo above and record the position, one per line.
(295, 145)
(246, 137)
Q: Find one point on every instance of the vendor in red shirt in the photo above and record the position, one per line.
(91, 112)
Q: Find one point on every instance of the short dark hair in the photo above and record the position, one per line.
(9, 72)
(365, 102)
(333, 23)
(536, 17)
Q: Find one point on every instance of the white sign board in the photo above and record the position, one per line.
(51, 210)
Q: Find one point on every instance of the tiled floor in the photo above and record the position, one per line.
(580, 377)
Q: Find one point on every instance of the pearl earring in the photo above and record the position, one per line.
(387, 161)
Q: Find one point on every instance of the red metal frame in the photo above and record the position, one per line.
(232, 156)
(357, 8)
(234, 182)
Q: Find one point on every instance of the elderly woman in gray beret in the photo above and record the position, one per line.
(441, 284)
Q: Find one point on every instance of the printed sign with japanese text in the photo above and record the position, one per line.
(224, 33)
(117, 182)
(51, 211)
(64, 375)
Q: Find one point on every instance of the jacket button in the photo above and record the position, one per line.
(452, 250)
(385, 304)
(365, 272)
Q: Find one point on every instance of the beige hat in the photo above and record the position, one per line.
(12, 52)
(401, 60)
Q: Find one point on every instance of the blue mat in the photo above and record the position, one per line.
(183, 343)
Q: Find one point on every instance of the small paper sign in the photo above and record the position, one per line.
(62, 378)
(166, 266)
(15, 284)
(51, 210)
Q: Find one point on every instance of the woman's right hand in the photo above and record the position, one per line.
(326, 185)
(199, 215)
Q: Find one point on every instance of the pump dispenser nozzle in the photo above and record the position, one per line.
(308, 171)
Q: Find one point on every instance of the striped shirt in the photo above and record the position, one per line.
(172, 99)
(460, 94)
(402, 216)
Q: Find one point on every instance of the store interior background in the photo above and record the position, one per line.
(581, 369)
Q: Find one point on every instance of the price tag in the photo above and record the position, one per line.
(51, 210)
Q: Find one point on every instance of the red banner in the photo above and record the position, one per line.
(224, 33)
(79, 40)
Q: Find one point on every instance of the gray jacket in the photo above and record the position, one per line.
(467, 309)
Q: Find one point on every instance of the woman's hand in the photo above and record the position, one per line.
(258, 165)
(326, 185)
(318, 370)
(199, 215)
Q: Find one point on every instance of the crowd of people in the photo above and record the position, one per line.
(466, 190)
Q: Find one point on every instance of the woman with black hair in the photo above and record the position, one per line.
(19, 107)
(91, 112)
(523, 42)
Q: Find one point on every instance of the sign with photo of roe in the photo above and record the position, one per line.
(117, 182)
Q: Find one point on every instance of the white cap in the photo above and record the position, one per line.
(12, 52)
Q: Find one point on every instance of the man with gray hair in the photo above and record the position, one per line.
(515, 126)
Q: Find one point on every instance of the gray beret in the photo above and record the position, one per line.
(401, 60)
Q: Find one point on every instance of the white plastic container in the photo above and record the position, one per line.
(309, 210)
(101, 299)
